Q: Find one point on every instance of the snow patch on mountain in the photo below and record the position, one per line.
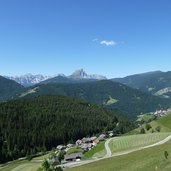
(28, 79)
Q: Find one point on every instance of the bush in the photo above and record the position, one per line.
(61, 155)
(166, 154)
(148, 126)
(46, 166)
(29, 157)
(158, 128)
(142, 131)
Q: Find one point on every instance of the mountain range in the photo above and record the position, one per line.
(28, 79)
(106, 93)
(78, 76)
(132, 95)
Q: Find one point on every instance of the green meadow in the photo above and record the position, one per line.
(150, 159)
(130, 142)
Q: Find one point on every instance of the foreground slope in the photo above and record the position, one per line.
(104, 93)
(149, 159)
(9, 89)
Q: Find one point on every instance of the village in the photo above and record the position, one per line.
(160, 113)
(75, 152)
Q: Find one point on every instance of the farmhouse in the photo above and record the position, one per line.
(102, 137)
(160, 112)
(87, 146)
(70, 145)
(61, 147)
(86, 140)
(73, 157)
(78, 142)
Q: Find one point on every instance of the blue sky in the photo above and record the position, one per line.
(109, 37)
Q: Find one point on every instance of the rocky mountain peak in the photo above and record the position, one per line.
(79, 74)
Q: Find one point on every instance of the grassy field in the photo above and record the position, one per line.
(163, 122)
(74, 150)
(22, 166)
(151, 159)
(97, 152)
(42, 157)
(145, 118)
(126, 143)
(26, 165)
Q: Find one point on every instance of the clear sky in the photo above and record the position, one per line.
(109, 37)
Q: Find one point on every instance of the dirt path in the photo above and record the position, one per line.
(108, 151)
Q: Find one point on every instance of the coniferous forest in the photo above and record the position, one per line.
(29, 126)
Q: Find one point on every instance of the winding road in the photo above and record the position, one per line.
(108, 151)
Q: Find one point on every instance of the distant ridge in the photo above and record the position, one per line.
(28, 79)
(9, 89)
(157, 83)
(104, 93)
(80, 75)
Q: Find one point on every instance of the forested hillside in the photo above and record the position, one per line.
(28, 126)
(104, 93)
(9, 88)
(157, 83)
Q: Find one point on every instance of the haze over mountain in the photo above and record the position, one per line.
(157, 83)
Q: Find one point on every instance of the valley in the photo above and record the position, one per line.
(67, 111)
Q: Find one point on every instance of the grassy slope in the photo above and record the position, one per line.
(22, 166)
(150, 159)
(74, 150)
(130, 142)
(164, 123)
(25, 165)
(97, 152)
(146, 117)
